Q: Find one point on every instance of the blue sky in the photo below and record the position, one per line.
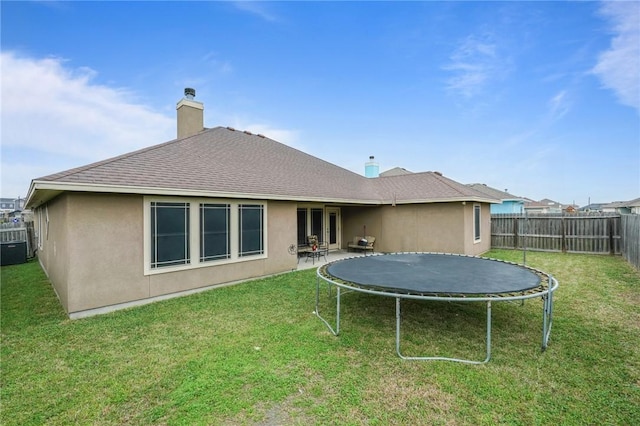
(540, 98)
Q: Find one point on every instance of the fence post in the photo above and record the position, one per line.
(563, 241)
(515, 232)
(610, 229)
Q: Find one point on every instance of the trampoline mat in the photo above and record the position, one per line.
(434, 273)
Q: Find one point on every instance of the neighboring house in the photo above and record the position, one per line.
(544, 206)
(592, 208)
(510, 203)
(623, 207)
(220, 205)
(11, 204)
(396, 171)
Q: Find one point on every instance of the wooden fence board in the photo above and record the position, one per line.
(630, 241)
(574, 234)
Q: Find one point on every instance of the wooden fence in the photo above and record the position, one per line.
(20, 232)
(631, 238)
(563, 233)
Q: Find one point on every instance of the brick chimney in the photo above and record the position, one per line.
(190, 115)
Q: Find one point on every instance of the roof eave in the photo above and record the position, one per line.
(40, 192)
(460, 199)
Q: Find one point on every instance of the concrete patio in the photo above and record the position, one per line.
(309, 263)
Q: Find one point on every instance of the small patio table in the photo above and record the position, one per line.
(315, 254)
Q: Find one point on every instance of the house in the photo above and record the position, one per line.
(623, 207)
(591, 208)
(544, 206)
(396, 171)
(11, 204)
(220, 205)
(509, 203)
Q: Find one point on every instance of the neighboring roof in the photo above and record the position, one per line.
(223, 162)
(494, 193)
(425, 187)
(622, 204)
(547, 203)
(396, 171)
(592, 206)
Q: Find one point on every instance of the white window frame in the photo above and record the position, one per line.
(186, 239)
(194, 233)
(477, 225)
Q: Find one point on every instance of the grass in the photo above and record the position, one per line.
(255, 354)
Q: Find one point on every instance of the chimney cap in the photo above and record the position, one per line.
(189, 93)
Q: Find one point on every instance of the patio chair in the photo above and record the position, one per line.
(364, 244)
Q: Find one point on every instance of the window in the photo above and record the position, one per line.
(185, 233)
(169, 234)
(476, 223)
(215, 237)
(316, 223)
(302, 226)
(251, 229)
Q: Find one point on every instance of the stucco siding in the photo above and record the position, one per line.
(107, 260)
(281, 232)
(359, 220)
(53, 253)
(473, 247)
(438, 227)
(106, 254)
(423, 227)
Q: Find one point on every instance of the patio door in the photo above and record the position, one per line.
(333, 227)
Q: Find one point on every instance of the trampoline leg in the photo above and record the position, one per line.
(440, 358)
(547, 316)
(335, 331)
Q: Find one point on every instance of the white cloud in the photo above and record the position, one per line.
(619, 66)
(257, 8)
(474, 63)
(61, 118)
(559, 105)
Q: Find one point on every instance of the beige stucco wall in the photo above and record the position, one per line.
(281, 232)
(53, 252)
(105, 250)
(438, 227)
(357, 220)
(476, 248)
(100, 259)
(94, 250)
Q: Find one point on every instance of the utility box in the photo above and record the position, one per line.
(13, 253)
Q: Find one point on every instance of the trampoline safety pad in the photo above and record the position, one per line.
(434, 273)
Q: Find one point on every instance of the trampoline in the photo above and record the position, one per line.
(439, 277)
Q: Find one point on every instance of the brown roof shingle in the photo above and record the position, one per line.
(235, 163)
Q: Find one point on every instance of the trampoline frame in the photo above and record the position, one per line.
(544, 290)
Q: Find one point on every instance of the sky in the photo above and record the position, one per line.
(538, 98)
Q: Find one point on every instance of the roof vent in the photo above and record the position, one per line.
(189, 93)
(438, 173)
(260, 135)
(231, 128)
(248, 132)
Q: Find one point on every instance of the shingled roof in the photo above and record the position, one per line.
(494, 193)
(223, 162)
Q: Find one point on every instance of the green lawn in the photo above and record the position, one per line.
(255, 354)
